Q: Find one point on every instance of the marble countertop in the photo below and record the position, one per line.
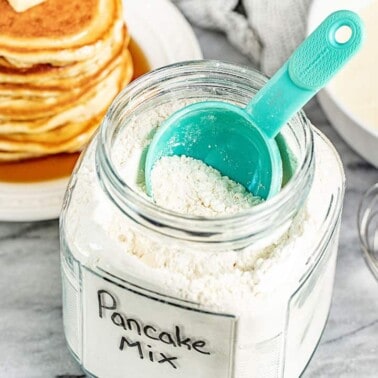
(32, 343)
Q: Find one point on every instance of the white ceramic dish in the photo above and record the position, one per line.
(362, 138)
(165, 37)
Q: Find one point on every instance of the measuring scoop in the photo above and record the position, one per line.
(239, 142)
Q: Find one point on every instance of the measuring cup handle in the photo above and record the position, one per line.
(323, 54)
(308, 69)
(368, 228)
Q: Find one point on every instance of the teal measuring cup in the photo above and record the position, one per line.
(239, 142)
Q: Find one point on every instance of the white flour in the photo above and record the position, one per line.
(252, 283)
(234, 279)
(188, 186)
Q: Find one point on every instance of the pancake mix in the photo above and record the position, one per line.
(203, 280)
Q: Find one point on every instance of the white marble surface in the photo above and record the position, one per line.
(31, 334)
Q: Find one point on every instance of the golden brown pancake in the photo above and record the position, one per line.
(57, 31)
(78, 111)
(38, 149)
(53, 19)
(21, 108)
(60, 78)
(61, 65)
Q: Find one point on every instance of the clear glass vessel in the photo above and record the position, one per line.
(368, 228)
(127, 314)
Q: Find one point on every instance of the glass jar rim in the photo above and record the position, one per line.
(124, 195)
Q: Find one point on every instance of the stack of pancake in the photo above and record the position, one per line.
(61, 65)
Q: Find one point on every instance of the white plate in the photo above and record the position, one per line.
(363, 139)
(165, 37)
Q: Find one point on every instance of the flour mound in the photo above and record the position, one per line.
(189, 186)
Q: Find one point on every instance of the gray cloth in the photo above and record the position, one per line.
(266, 31)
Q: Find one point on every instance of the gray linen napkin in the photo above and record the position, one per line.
(267, 31)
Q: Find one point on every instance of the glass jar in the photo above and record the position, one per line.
(151, 293)
(368, 228)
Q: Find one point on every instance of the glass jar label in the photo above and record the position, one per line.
(129, 331)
